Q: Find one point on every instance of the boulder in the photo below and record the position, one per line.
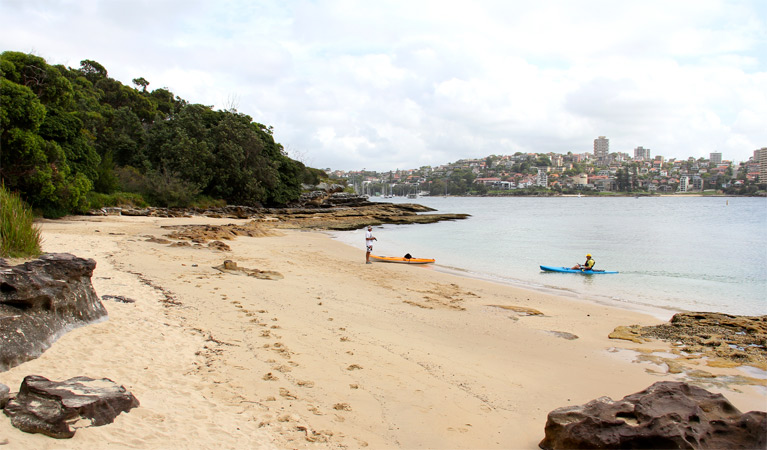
(55, 408)
(667, 415)
(5, 395)
(42, 299)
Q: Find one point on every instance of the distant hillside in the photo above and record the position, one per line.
(70, 137)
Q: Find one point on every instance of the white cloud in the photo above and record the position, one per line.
(399, 84)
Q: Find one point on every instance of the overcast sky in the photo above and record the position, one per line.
(389, 84)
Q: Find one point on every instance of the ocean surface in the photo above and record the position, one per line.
(673, 253)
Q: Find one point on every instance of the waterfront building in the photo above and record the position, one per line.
(684, 183)
(601, 149)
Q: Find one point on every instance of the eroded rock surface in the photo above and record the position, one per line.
(354, 218)
(667, 415)
(42, 299)
(201, 234)
(738, 339)
(231, 267)
(5, 395)
(57, 409)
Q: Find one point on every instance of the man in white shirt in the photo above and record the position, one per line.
(369, 243)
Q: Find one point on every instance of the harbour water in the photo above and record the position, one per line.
(673, 253)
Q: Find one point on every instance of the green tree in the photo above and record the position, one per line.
(141, 82)
(67, 131)
(92, 70)
(623, 180)
(543, 161)
(29, 164)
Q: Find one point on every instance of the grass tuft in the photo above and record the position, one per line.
(19, 237)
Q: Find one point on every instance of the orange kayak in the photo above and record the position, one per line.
(401, 259)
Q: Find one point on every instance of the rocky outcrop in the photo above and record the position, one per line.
(55, 408)
(354, 218)
(200, 234)
(667, 415)
(314, 219)
(735, 339)
(42, 299)
(317, 210)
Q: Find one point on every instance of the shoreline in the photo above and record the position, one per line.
(335, 354)
(658, 312)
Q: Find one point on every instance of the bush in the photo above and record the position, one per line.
(129, 199)
(158, 187)
(19, 237)
(205, 202)
(166, 188)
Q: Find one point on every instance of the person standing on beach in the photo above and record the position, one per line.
(369, 243)
(588, 265)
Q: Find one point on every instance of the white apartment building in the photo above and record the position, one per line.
(642, 153)
(601, 149)
(684, 184)
(542, 179)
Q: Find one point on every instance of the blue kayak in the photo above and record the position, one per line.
(569, 270)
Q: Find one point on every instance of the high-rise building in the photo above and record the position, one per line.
(684, 183)
(761, 157)
(642, 153)
(601, 149)
(542, 179)
(715, 158)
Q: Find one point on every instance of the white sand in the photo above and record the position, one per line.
(338, 354)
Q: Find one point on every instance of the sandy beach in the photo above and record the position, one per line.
(332, 353)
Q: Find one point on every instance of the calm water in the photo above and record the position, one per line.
(690, 253)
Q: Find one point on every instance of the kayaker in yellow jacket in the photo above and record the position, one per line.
(588, 265)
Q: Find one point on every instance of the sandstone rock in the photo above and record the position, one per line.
(218, 245)
(42, 299)
(356, 216)
(5, 395)
(667, 415)
(231, 267)
(118, 298)
(738, 339)
(54, 408)
(205, 233)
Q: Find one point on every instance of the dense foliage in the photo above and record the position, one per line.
(68, 133)
(19, 237)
